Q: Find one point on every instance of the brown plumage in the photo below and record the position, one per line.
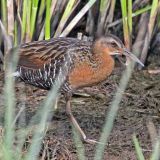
(83, 64)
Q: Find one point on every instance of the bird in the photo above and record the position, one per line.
(83, 64)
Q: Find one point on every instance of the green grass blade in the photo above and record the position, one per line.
(9, 114)
(125, 22)
(42, 116)
(28, 29)
(79, 145)
(48, 17)
(103, 4)
(142, 10)
(156, 152)
(77, 18)
(158, 17)
(4, 12)
(10, 106)
(153, 16)
(124, 13)
(41, 8)
(33, 16)
(130, 17)
(65, 17)
(136, 13)
(138, 148)
(152, 21)
(24, 18)
(112, 113)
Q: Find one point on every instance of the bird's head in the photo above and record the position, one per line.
(112, 45)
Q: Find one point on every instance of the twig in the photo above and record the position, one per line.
(17, 116)
(156, 71)
(152, 132)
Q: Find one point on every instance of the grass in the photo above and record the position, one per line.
(155, 154)
(4, 12)
(126, 20)
(150, 28)
(24, 18)
(48, 17)
(138, 148)
(41, 115)
(65, 16)
(33, 16)
(76, 19)
(10, 109)
(111, 115)
(40, 15)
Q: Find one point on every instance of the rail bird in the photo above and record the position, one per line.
(83, 63)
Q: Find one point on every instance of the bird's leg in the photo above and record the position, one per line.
(74, 121)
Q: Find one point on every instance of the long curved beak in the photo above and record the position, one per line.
(132, 57)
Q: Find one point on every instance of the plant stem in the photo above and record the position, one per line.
(48, 17)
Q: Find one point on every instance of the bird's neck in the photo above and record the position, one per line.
(102, 57)
(104, 61)
(91, 72)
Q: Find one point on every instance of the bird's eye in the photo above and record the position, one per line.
(114, 45)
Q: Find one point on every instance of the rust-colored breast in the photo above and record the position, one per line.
(84, 74)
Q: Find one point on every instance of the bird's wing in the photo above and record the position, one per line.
(34, 55)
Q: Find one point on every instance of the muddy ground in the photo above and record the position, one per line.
(140, 104)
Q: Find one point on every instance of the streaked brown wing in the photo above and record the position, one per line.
(35, 54)
(30, 58)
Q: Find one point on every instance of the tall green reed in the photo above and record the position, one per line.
(127, 22)
(4, 12)
(138, 148)
(10, 108)
(76, 19)
(65, 16)
(47, 21)
(33, 16)
(24, 18)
